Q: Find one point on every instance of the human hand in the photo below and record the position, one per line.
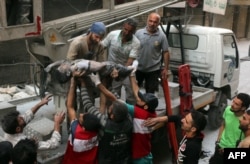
(95, 78)
(150, 122)
(59, 117)
(78, 73)
(164, 73)
(46, 99)
(134, 70)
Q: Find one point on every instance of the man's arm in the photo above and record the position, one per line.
(222, 127)
(70, 102)
(44, 101)
(164, 72)
(129, 61)
(88, 105)
(55, 139)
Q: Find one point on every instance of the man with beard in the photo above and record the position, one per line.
(245, 127)
(123, 49)
(153, 50)
(192, 125)
(89, 47)
(229, 132)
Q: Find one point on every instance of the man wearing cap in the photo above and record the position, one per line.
(145, 108)
(123, 48)
(88, 46)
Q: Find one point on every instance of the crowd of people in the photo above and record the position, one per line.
(118, 131)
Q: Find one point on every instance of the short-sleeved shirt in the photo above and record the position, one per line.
(231, 133)
(151, 48)
(119, 52)
(79, 50)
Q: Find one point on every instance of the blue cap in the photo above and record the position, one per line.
(98, 28)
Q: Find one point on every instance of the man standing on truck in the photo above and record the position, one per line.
(154, 49)
(89, 47)
(123, 49)
(229, 132)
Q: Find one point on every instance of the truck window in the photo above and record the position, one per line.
(229, 49)
(189, 41)
(19, 12)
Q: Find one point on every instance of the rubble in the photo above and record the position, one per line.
(17, 92)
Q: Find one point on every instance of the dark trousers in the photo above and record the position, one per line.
(151, 80)
(217, 158)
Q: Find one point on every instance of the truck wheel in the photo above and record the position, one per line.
(215, 113)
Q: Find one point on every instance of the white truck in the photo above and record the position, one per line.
(213, 57)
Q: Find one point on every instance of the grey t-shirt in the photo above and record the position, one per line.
(152, 47)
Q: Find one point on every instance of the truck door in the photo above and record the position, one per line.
(230, 67)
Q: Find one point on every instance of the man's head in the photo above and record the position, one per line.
(129, 28)
(5, 152)
(240, 103)
(153, 22)
(150, 101)
(194, 122)
(89, 121)
(13, 123)
(118, 111)
(97, 32)
(25, 152)
(245, 121)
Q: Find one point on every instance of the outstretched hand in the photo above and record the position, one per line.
(78, 73)
(150, 122)
(46, 99)
(59, 117)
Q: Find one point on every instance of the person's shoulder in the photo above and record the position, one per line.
(140, 30)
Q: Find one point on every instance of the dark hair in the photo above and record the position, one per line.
(10, 122)
(245, 98)
(199, 121)
(5, 152)
(61, 77)
(120, 111)
(132, 22)
(91, 122)
(25, 152)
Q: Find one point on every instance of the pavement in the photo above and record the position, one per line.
(161, 151)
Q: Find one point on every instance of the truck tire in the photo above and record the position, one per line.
(215, 113)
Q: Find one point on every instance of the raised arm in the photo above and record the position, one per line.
(44, 101)
(70, 103)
